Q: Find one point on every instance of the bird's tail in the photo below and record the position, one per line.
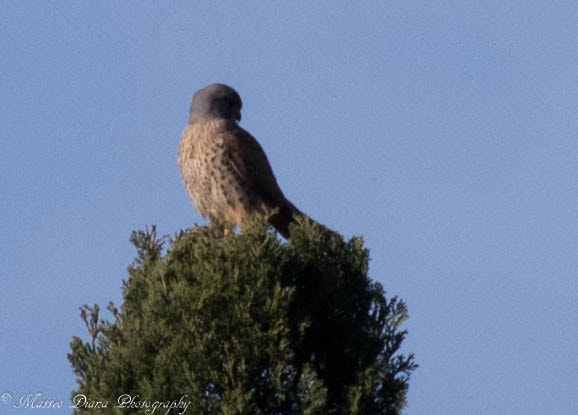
(285, 215)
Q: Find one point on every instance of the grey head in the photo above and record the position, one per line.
(216, 101)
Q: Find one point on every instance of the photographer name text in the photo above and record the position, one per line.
(124, 401)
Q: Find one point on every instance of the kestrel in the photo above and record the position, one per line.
(225, 170)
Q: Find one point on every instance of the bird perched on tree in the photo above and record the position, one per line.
(225, 170)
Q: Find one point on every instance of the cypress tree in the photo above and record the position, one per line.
(246, 324)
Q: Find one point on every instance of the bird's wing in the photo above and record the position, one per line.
(251, 163)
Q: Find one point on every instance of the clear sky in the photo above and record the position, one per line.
(444, 132)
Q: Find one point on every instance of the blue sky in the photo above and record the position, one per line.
(445, 133)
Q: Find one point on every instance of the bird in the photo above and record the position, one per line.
(224, 169)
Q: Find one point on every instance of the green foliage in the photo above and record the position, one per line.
(247, 324)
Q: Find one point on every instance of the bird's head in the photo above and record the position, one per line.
(216, 101)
